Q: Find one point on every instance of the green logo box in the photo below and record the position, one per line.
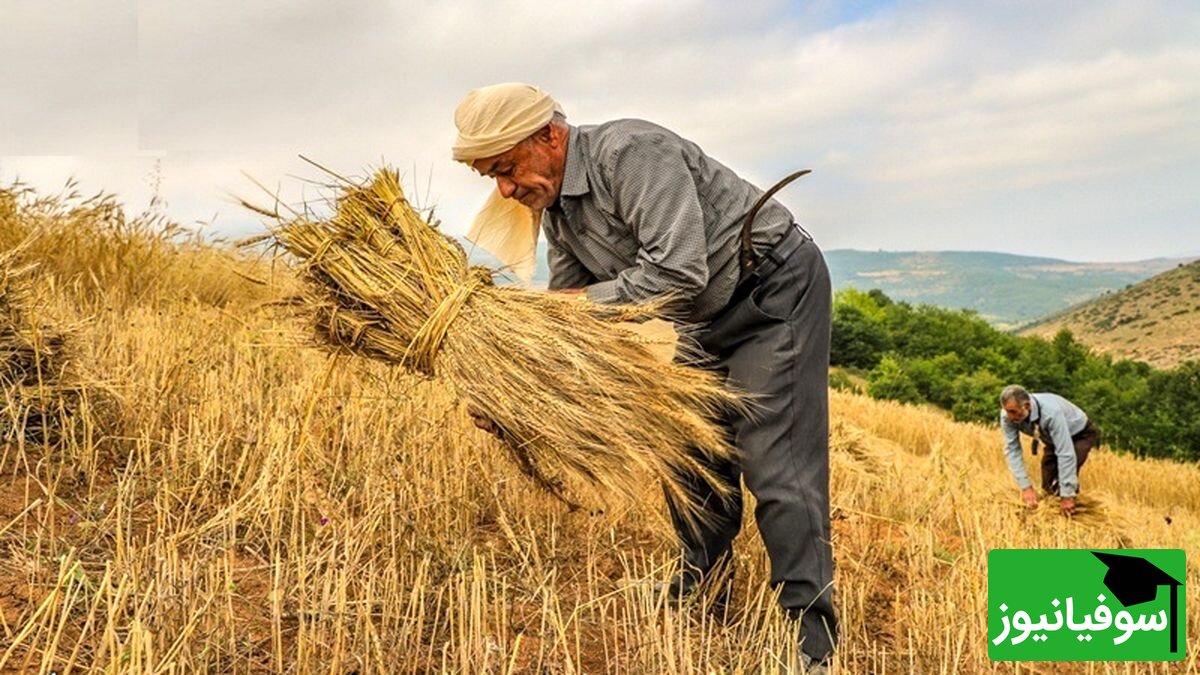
(1086, 604)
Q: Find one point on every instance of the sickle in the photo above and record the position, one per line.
(746, 258)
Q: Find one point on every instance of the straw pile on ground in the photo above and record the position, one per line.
(37, 381)
(576, 396)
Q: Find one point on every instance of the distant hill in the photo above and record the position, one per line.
(1007, 290)
(1156, 321)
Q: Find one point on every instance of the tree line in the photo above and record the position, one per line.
(956, 360)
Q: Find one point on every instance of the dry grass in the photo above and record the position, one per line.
(263, 508)
(43, 391)
(102, 258)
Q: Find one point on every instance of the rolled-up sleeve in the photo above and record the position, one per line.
(1013, 453)
(654, 193)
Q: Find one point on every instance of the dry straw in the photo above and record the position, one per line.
(39, 388)
(575, 395)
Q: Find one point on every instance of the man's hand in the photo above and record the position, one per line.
(1030, 497)
(485, 423)
(1067, 504)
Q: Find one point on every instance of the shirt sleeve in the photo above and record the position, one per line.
(566, 271)
(1064, 450)
(653, 193)
(1013, 453)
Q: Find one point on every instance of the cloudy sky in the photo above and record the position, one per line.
(1066, 129)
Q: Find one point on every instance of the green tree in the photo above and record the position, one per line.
(934, 377)
(1177, 411)
(1039, 369)
(889, 381)
(977, 397)
(879, 297)
(858, 340)
(1070, 353)
(927, 331)
(870, 303)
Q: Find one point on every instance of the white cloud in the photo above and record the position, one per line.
(929, 124)
(67, 77)
(1048, 122)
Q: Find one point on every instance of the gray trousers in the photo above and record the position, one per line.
(774, 344)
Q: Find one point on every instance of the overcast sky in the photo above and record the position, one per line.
(1066, 129)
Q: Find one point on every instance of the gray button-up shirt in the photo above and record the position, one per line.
(643, 212)
(1060, 420)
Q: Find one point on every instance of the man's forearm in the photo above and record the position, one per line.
(1064, 449)
(645, 282)
(1016, 465)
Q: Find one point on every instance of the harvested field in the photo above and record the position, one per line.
(263, 506)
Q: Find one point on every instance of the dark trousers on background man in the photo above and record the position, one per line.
(1084, 442)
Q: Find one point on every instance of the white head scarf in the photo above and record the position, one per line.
(492, 120)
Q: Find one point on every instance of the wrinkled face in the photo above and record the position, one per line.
(532, 171)
(1016, 412)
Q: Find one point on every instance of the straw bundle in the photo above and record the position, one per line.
(575, 394)
(37, 386)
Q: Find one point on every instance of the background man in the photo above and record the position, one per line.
(1065, 430)
(631, 212)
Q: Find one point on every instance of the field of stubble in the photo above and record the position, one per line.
(224, 499)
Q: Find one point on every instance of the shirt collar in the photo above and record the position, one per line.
(575, 180)
(1035, 411)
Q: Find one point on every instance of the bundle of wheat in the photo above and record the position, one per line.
(38, 391)
(573, 392)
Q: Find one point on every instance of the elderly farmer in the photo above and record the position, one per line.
(1067, 432)
(632, 212)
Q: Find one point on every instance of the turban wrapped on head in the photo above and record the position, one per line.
(491, 121)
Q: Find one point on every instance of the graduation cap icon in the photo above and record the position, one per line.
(1134, 580)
